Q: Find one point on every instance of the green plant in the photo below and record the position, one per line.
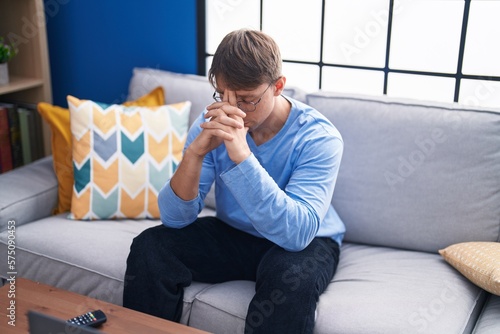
(7, 52)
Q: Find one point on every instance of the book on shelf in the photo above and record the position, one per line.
(5, 146)
(31, 133)
(15, 134)
(24, 121)
(24, 134)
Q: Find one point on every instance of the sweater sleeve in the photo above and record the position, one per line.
(289, 217)
(176, 212)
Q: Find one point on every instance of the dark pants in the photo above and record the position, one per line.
(163, 261)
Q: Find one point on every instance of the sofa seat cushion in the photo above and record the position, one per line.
(387, 290)
(222, 308)
(89, 257)
(375, 290)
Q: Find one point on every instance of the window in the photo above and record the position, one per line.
(441, 50)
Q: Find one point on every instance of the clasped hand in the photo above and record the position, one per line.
(225, 124)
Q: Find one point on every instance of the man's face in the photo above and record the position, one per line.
(256, 103)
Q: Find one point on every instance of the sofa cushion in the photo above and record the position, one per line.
(415, 175)
(28, 193)
(375, 290)
(478, 261)
(222, 308)
(89, 257)
(123, 156)
(58, 120)
(179, 87)
(384, 290)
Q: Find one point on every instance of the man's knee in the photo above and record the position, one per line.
(299, 272)
(146, 240)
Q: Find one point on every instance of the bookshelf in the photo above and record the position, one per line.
(23, 23)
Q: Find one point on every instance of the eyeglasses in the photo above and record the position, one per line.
(243, 105)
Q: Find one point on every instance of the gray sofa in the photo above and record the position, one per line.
(415, 178)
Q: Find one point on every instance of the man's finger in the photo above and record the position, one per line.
(231, 97)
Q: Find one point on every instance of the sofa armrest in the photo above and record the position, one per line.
(28, 193)
(489, 321)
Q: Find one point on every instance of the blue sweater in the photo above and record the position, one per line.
(281, 192)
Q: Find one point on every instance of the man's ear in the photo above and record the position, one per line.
(280, 86)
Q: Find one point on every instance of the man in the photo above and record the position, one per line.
(274, 162)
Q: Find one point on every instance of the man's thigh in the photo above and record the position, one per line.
(313, 267)
(215, 252)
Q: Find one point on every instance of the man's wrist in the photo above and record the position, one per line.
(189, 153)
(241, 157)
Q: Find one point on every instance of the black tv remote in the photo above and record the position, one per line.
(93, 319)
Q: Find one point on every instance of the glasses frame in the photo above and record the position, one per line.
(240, 104)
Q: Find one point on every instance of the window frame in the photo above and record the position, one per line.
(458, 76)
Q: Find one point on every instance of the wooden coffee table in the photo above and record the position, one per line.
(63, 304)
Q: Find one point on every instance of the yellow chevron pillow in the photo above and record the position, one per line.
(58, 120)
(122, 156)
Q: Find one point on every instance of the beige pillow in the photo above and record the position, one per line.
(478, 261)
